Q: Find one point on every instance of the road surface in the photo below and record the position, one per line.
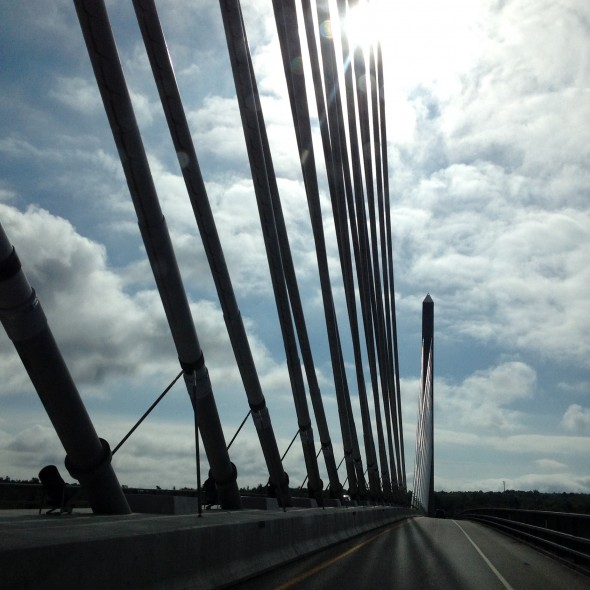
(423, 554)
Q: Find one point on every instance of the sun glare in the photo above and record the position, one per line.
(361, 25)
(422, 39)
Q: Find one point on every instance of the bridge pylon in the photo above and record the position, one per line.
(423, 496)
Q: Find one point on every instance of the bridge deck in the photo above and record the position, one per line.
(146, 550)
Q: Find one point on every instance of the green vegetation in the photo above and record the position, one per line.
(454, 503)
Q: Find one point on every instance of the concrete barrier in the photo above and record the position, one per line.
(172, 552)
(162, 504)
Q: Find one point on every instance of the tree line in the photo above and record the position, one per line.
(453, 503)
(19, 493)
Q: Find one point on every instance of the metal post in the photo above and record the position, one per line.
(88, 457)
(197, 452)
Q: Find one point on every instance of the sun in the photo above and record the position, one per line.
(421, 40)
(361, 25)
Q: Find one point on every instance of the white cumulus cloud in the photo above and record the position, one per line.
(576, 419)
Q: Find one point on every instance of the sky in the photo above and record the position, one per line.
(488, 111)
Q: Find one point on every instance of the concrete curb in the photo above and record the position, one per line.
(175, 552)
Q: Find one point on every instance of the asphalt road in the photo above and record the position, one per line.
(422, 554)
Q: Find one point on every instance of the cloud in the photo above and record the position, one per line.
(161, 452)
(218, 132)
(578, 388)
(576, 419)
(482, 400)
(114, 335)
(77, 93)
(558, 446)
(491, 188)
(550, 465)
(493, 269)
(546, 483)
(101, 328)
(557, 482)
(27, 451)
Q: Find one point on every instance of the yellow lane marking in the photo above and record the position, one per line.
(329, 562)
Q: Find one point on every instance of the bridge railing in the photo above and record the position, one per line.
(562, 533)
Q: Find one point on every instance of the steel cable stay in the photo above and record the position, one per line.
(247, 95)
(290, 49)
(362, 92)
(360, 242)
(334, 142)
(378, 299)
(176, 119)
(297, 306)
(322, 116)
(332, 168)
(337, 158)
(105, 61)
(147, 413)
(319, 90)
(357, 179)
(357, 232)
(370, 318)
(378, 156)
(389, 240)
(372, 328)
(356, 454)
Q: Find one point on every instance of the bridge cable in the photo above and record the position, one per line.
(261, 171)
(147, 413)
(165, 79)
(116, 100)
(290, 444)
(334, 144)
(286, 18)
(238, 430)
(385, 262)
(360, 242)
(391, 298)
(362, 90)
(296, 305)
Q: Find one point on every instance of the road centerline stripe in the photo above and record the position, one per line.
(318, 568)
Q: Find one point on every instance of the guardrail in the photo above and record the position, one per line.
(561, 533)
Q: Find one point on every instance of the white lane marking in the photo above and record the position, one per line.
(488, 562)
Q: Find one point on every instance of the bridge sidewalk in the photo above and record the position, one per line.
(88, 551)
